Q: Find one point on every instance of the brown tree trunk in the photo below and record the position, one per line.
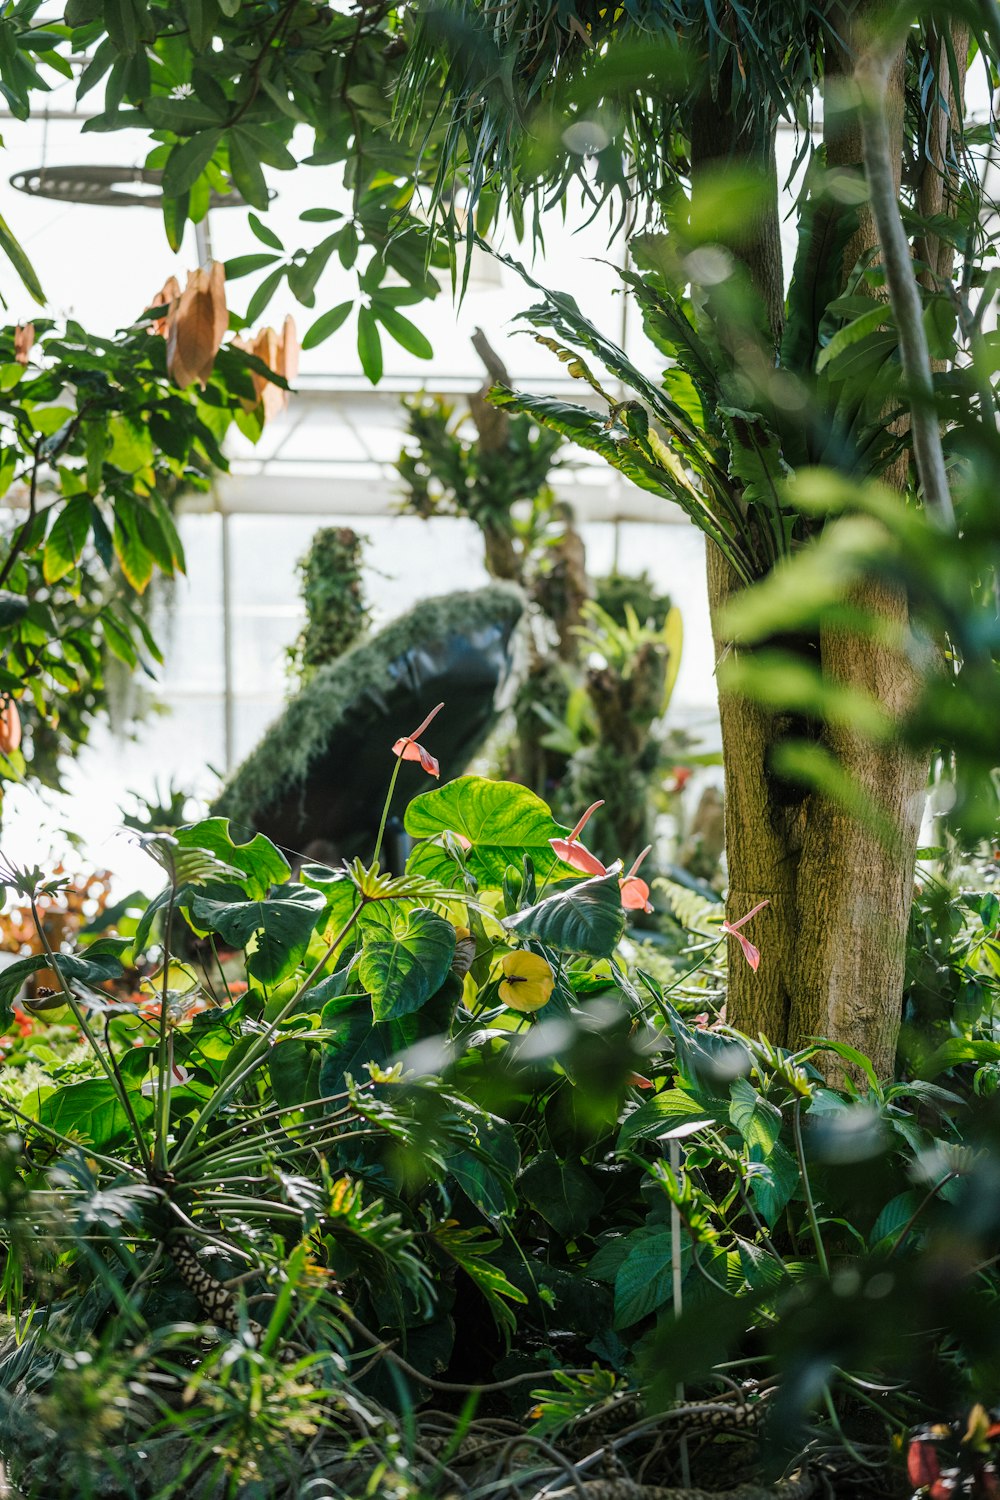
(833, 938)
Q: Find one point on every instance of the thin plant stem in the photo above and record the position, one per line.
(109, 1067)
(385, 810)
(824, 1264)
(164, 1048)
(255, 1053)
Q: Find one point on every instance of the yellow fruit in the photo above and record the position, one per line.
(528, 981)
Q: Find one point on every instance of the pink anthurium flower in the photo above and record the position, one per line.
(407, 747)
(750, 953)
(635, 892)
(573, 853)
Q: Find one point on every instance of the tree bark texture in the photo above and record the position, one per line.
(833, 938)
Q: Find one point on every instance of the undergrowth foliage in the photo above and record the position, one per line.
(291, 1164)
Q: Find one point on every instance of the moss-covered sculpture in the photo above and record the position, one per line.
(333, 591)
(319, 775)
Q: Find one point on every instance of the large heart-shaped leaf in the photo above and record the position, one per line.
(89, 1111)
(588, 918)
(405, 959)
(500, 820)
(280, 927)
(260, 863)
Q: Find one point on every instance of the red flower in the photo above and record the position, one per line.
(922, 1467)
(635, 892)
(407, 748)
(750, 953)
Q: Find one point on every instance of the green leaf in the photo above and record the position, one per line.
(896, 1214)
(562, 1192)
(182, 116)
(338, 890)
(369, 345)
(264, 293)
(134, 556)
(762, 1272)
(406, 334)
(353, 1041)
(65, 542)
(326, 324)
(294, 1066)
(118, 639)
(187, 160)
(502, 821)
(588, 918)
(672, 1113)
(276, 930)
(89, 1111)
(247, 173)
(22, 265)
(100, 963)
(13, 607)
(773, 1182)
(405, 958)
(470, 1249)
(202, 16)
(758, 1122)
(643, 1281)
(264, 233)
(879, 317)
(259, 863)
(244, 265)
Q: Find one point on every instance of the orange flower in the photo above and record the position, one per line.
(10, 726)
(281, 354)
(635, 892)
(196, 324)
(407, 748)
(24, 338)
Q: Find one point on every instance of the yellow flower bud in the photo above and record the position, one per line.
(528, 980)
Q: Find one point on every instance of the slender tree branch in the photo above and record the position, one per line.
(22, 532)
(872, 75)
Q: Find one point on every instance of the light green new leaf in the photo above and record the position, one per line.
(501, 820)
(470, 1249)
